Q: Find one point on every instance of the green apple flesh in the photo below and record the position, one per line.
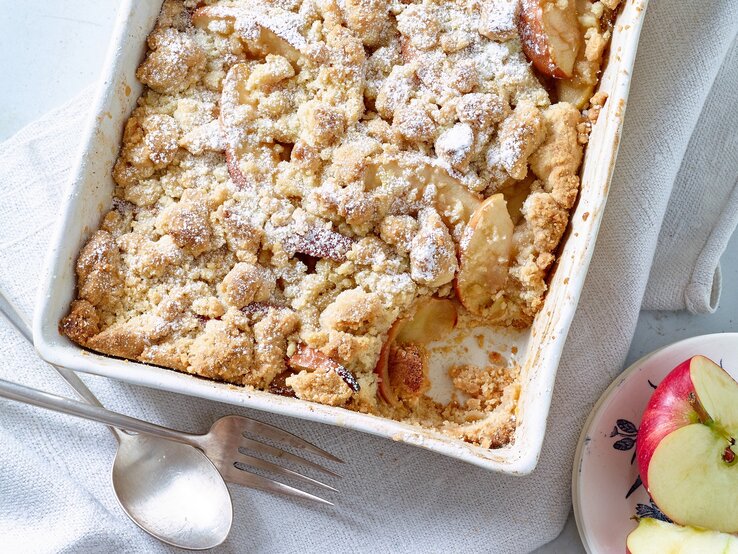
(658, 537)
(685, 446)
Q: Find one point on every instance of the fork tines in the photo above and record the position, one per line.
(280, 435)
(239, 471)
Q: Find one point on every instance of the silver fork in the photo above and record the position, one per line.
(229, 444)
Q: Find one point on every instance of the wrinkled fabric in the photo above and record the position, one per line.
(677, 166)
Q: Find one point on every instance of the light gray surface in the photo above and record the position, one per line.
(50, 50)
(65, 53)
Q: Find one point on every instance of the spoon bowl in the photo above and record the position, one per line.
(172, 491)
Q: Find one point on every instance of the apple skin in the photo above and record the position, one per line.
(382, 367)
(307, 358)
(550, 36)
(534, 41)
(686, 446)
(668, 409)
(238, 178)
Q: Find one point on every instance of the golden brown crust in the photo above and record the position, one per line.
(174, 62)
(247, 283)
(409, 363)
(221, 352)
(188, 223)
(302, 173)
(98, 270)
(82, 323)
(322, 386)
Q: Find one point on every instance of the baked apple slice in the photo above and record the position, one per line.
(575, 91)
(233, 95)
(382, 367)
(659, 537)
(455, 203)
(484, 255)
(238, 178)
(515, 196)
(402, 368)
(596, 25)
(249, 20)
(433, 319)
(310, 359)
(550, 35)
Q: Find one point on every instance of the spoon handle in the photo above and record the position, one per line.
(21, 325)
(35, 397)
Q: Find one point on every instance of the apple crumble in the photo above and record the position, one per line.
(310, 192)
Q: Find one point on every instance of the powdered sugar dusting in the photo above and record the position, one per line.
(499, 19)
(249, 18)
(269, 134)
(320, 243)
(454, 144)
(204, 137)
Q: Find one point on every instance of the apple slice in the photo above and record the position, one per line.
(484, 255)
(382, 369)
(685, 446)
(310, 359)
(515, 196)
(550, 35)
(279, 385)
(659, 537)
(250, 18)
(238, 178)
(434, 318)
(575, 91)
(401, 366)
(233, 95)
(454, 202)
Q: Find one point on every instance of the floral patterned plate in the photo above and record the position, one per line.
(606, 488)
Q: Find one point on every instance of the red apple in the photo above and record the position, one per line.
(550, 35)
(658, 537)
(685, 446)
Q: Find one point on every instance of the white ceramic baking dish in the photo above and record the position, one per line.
(90, 195)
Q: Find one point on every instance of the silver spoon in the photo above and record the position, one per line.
(169, 489)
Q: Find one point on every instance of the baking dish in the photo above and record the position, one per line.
(539, 348)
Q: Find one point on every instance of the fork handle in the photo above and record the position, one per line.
(35, 397)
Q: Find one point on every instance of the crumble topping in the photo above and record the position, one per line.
(299, 176)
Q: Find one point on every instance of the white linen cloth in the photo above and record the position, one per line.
(678, 164)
